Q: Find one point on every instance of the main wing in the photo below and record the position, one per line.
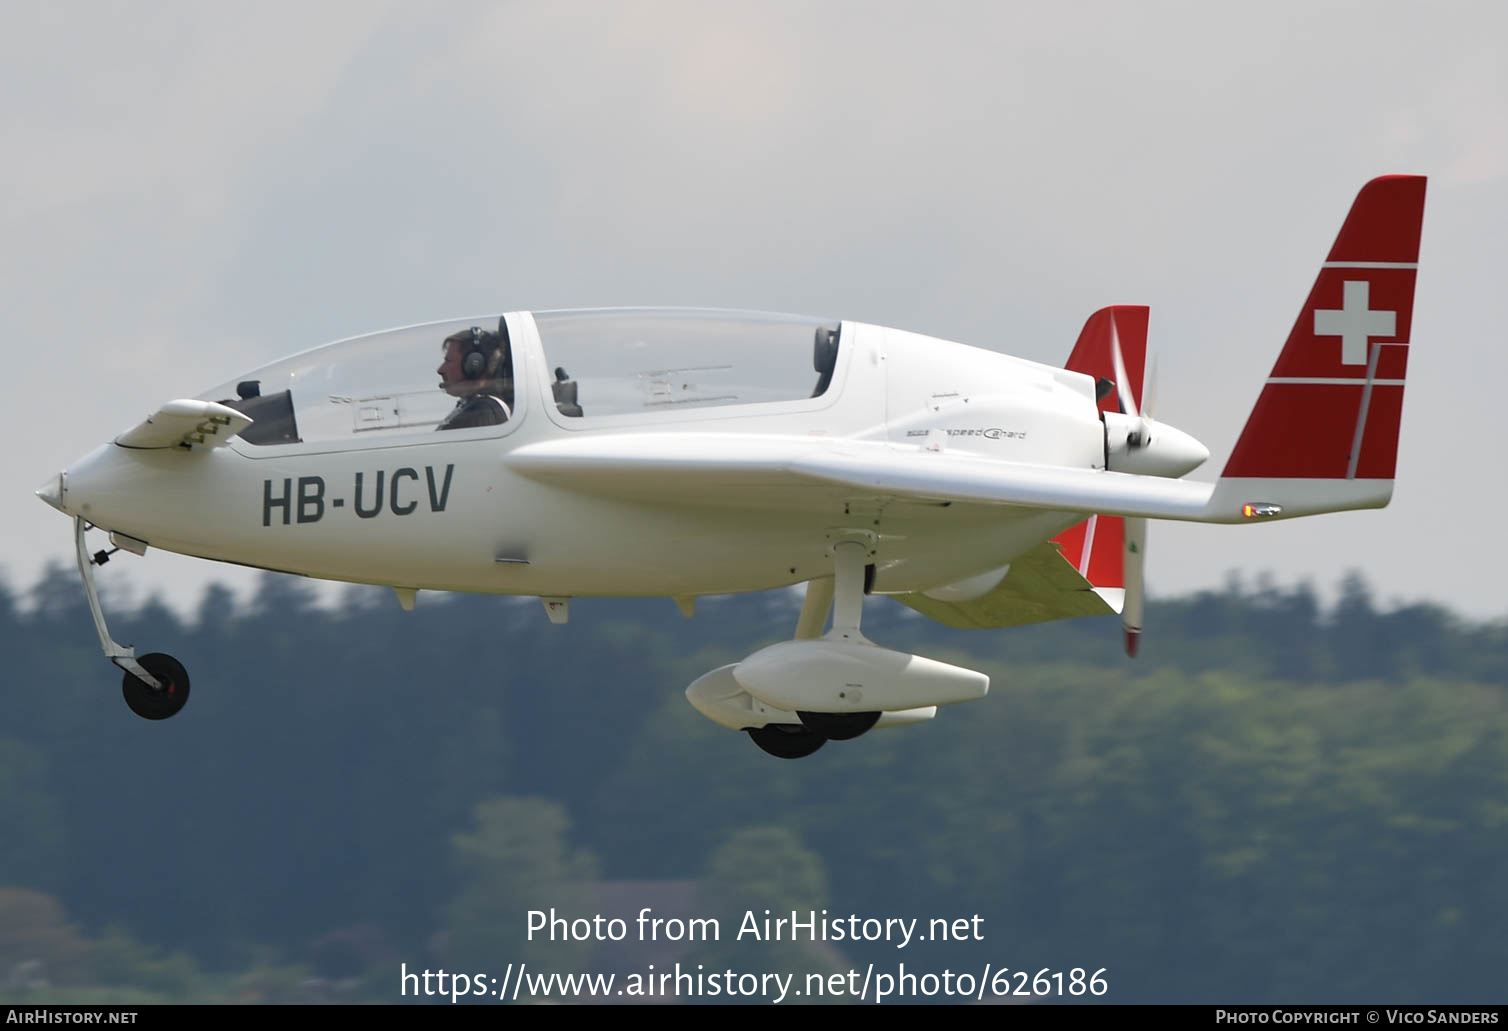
(711, 468)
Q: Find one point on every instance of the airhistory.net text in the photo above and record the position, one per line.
(810, 925)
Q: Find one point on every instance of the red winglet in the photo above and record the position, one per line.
(1332, 406)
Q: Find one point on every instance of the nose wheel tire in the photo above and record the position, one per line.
(786, 740)
(839, 726)
(157, 703)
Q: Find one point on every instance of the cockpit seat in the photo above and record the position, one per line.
(564, 389)
(271, 414)
(825, 357)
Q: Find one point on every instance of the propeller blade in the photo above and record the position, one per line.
(1127, 396)
(1122, 379)
(1149, 389)
(1135, 561)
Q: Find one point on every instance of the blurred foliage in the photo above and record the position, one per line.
(37, 944)
(116, 959)
(1277, 802)
(27, 800)
(756, 878)
(518, 859)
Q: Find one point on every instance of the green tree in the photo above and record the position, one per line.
(517, 859)
(757, 876)
(119, 961)
(31, 849)
(36, 938)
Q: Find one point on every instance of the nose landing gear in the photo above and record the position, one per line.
(155, 686)
(156, 703)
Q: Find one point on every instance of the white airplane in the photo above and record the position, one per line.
(683, 452)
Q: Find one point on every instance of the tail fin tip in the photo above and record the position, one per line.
(1384, 222)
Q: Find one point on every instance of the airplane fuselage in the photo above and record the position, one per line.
(450, 510)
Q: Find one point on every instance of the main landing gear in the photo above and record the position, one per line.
(844, 595)
(786, 740)
(839, 726)
(155, 686)
(793, 697)
(799, 740)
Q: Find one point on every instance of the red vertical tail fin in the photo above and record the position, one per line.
(1092, 354)
(1096, 547)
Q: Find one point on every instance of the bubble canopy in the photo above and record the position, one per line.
(644, 361)
(466, 375)
(383, 384)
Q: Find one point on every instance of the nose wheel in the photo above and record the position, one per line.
(156, 703)
(156, 685)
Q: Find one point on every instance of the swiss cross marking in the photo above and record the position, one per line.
(1355, 323)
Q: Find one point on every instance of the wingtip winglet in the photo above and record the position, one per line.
(1331, 408)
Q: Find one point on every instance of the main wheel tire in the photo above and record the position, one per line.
(839, 726)
(157, 703)
(786, 740)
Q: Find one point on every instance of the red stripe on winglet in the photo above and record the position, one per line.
(1384, 221)
(1379, 447)
(1301, 430)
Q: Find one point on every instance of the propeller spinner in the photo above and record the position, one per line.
(1135, 442)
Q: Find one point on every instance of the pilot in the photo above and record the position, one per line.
(476, 369)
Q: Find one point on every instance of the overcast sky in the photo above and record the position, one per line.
(189, 190)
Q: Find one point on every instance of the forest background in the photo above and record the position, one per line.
(1278, 801)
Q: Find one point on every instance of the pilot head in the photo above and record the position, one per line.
(473, 362)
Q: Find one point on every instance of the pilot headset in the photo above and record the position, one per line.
(475, 361)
